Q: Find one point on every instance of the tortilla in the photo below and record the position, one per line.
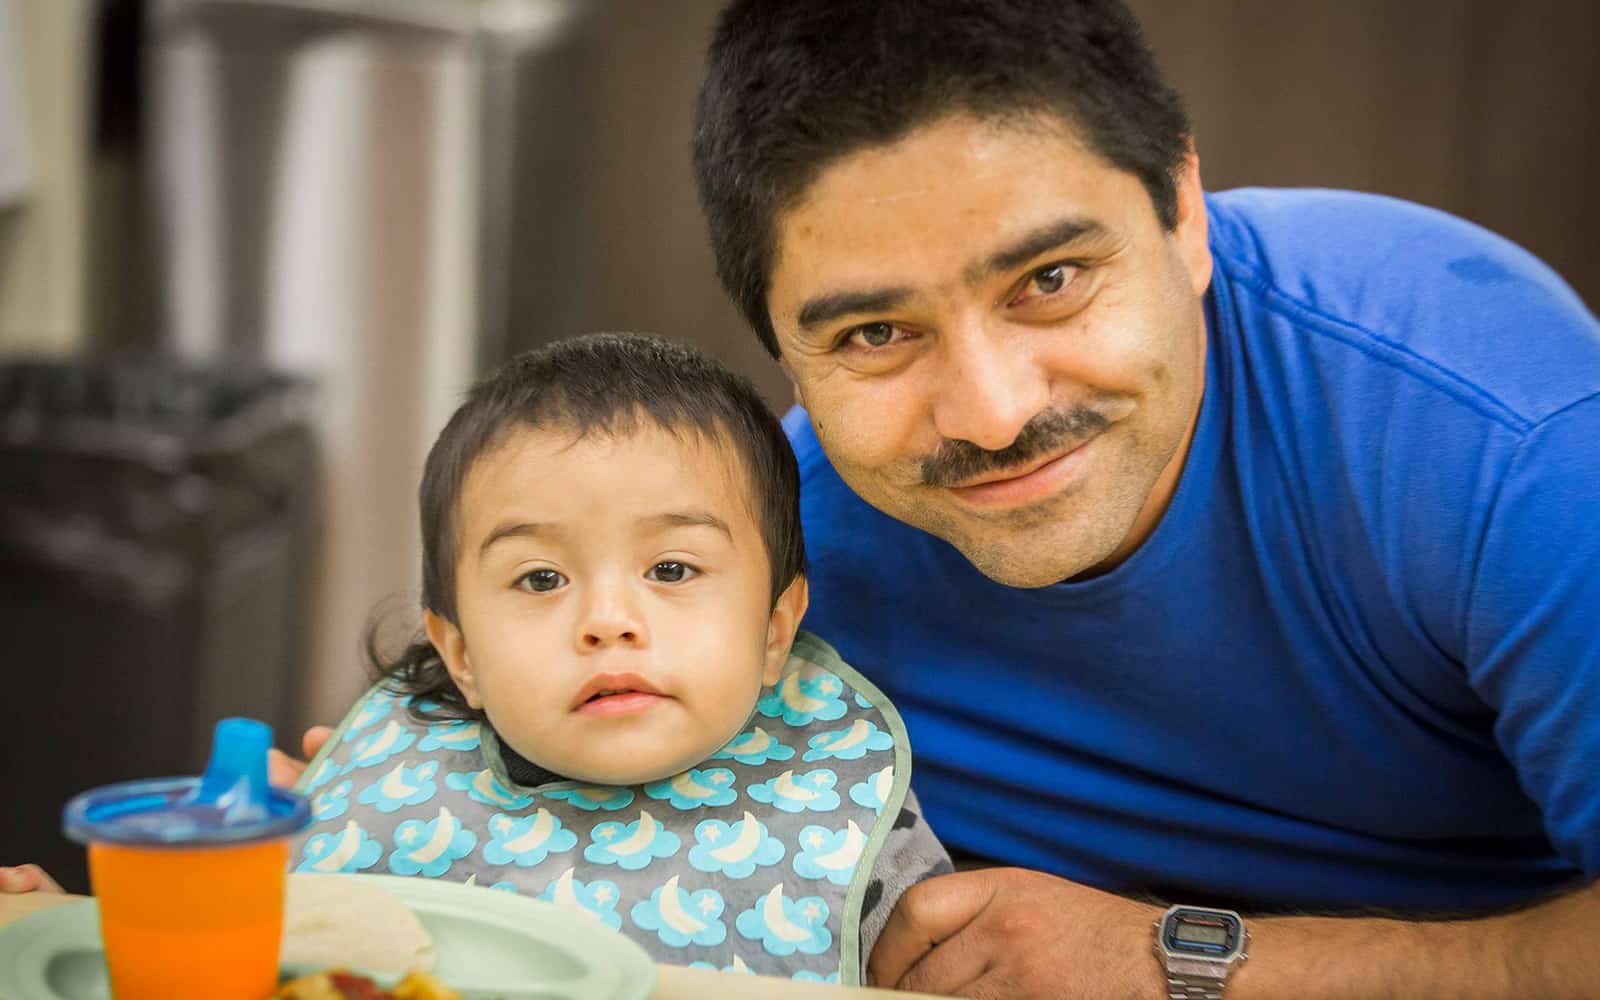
(335, 920)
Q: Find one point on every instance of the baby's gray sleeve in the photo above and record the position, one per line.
(910, 854)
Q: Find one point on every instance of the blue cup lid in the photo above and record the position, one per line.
(231, 803)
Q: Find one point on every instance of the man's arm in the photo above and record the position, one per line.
(1541, 951)
(1016, 933)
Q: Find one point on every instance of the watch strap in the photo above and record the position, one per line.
(1193, 988)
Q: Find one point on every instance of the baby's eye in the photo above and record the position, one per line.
(541, 580)
(670, 572)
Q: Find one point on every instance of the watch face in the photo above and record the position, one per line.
(1200, 933)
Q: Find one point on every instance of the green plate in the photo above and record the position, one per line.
(489, 944)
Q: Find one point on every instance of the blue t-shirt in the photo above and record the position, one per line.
(1358, 661)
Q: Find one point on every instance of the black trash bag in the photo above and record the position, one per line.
(156, 525)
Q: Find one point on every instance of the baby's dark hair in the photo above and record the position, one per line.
(603, 383)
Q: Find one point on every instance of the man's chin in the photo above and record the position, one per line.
(1025, 571)
(1039, 555)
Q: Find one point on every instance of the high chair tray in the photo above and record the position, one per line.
(488, 944)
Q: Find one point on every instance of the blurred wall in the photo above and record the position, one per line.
(42, 287)
(628, 247)
(1478, 107)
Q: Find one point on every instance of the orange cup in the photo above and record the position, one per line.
(191, 921)
(190, 873)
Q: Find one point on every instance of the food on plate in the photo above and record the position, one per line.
(333, 921)
(337, 984)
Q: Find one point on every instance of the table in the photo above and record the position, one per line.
(672, 982)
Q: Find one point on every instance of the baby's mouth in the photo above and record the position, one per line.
(613, 703)
(616, 694)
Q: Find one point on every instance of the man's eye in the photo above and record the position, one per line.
(1050, 280)
(670, 572)
(871, 335)
(1046, 282)
(542, 581)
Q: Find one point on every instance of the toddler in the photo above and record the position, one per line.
(613, 707)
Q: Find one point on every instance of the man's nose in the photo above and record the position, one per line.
(611, 617)
(987, 388)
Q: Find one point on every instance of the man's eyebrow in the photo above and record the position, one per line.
(1031, 245)
(687, 519)
(824, 309)
(514, 529)
(827, 308)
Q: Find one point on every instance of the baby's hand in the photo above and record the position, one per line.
(26, 878)
(284, 770)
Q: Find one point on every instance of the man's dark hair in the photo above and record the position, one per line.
(601, 383)
(793, 85)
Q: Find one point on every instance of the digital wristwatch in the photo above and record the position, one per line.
(1198, 947)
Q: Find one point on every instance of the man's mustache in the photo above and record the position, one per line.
(957, 461)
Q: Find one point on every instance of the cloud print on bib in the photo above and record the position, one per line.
(680, 917)
(331, 803)
(461, 734)
(377, 707)
(631, 846)
(695, 788)
(400, 787)
(873, 793)
(379, 745)
(754, 747)
(804, 695)
(809, 792)
(734, 849)
(325, 771)
(830, 854)
(430, 847)
(590, 798)
(849, 744)
(596, 899)
(349, 850)
(525, 841)
(785, 926)
(482, 786)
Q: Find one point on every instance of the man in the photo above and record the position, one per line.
(1233, 551)
(1239, 551)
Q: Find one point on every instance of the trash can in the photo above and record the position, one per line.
(155, 523)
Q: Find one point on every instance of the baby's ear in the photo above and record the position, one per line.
(783, 625)
(447, 639)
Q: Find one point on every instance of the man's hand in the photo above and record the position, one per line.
(1014, 933)
(284, 770)
(1009, 932)
(26, 878)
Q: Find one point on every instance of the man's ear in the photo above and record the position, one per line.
(783, 625)
(446, 638)
(1189, 232)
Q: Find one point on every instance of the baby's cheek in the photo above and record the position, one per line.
(524, 732)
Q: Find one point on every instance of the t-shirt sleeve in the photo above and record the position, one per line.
(910, 854)
(1533, 629)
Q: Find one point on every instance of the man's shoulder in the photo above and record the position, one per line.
(1429, 295)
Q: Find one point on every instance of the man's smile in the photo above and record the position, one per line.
(1026, 484)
